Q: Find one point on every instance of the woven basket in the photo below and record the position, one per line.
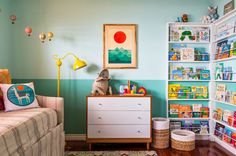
(183, 140)
(161, 133)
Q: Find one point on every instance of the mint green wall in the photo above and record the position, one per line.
(77, 25)
(5, 31)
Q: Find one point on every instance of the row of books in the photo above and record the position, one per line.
(188, 111)
(225, 134)
(179, 52)
(225, 49)
(199, 128)
(227, 116)
(225, 29)
(189, 34)
(224, 95)
(177, 91)
(189, 73)
(222, 72)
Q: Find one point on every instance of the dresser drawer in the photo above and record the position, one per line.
(115, 103)
(119, 117)
(118, 131)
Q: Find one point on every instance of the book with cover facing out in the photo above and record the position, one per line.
(187, 54)
(220, 92)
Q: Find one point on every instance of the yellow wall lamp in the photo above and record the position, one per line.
(78, 64)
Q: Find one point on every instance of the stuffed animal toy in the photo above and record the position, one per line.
(206, 19)
(185, 18)
(101, 85)
(212, 12)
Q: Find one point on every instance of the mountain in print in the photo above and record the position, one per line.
(119, 55)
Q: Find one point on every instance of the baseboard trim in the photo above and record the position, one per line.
(75, 137)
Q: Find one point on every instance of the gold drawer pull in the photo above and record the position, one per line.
(99, 131)
(139, 131)
(100, 118)
(100, 104)
(139, 104)
(139, 118)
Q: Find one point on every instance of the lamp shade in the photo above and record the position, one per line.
(79, 64)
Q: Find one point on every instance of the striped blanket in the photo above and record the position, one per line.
(21, 132)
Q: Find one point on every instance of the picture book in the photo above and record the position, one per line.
(230, 121)
(233, 142)
(196, 128)
(220, 92)
(205, 75)
(233, 97)
(202, 92)
(228, 96)
(177, 75)
(185, 111)
(219, 129)
(204, 127)
(204, 35)
(219, 114)
(227, 73)
(226, 115)
(198, 71)
(174, 110)
(175, 125)
(174, 33)
(187, 54)
(227, 135)
(196, 107)
(187, 125)
(204, 112)
(219, 71)
(184, 92)
(173, 91)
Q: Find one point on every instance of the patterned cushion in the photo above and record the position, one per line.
(19, 96)
(5, 78)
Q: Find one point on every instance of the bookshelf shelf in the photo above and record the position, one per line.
(225, 37)
(189, 80)
(225, 124)
(227, 146)
(188, 99)
(189, 118)
(231, 104)
(225, 81)
(225, 59)
(189, 61)
(176, 42)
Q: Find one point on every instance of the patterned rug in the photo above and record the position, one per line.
(110, 153)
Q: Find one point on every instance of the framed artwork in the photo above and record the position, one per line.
(119, 46)
(229, 7)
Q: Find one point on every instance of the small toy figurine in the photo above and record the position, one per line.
(206, 19)
(100, 85)
(212, 13)
(184, 18)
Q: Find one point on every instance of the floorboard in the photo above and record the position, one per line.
(203, 148)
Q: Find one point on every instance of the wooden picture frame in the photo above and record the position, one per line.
(229, 7)
(119, 46)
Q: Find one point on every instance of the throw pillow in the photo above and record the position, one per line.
(6, 79)
(19, 96)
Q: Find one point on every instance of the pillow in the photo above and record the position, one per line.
(6, 79)
(19, 96)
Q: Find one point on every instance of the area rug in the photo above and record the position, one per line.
(110, 153)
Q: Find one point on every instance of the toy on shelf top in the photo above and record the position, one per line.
(131, 90)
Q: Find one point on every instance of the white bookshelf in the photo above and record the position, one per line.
(230, 61)
(205, 63)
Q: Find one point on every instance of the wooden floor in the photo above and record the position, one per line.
(203, 148)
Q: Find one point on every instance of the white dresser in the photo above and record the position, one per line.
(119, 119)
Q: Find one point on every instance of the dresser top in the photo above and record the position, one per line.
(117, 95)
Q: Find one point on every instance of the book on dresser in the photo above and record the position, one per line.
(119, 119)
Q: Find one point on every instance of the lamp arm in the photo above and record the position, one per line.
(70, 53)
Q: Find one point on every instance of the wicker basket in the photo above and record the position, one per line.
(161, 133)
(183, 140)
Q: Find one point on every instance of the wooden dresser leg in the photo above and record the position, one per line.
(90, 146)
(148, 144)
